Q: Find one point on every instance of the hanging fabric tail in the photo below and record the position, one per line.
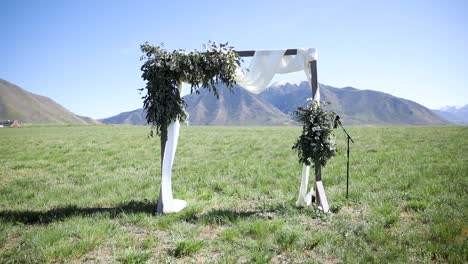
(266, 63)
(304, 199)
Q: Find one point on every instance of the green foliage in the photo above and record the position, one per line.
(130, 256)
(287, 239)
(261, 257)
(416, 205)
(164, 70)
(187, 247)
(261, 229)
(317, 141)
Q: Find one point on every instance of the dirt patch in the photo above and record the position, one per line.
(310, 223)
(108, 251)
(305, 258)
(280, 259)
(246, 205)
(404, 215)
(138, 234)
(464, 232)
(355, 214)
(210, 232)
(13, 239)
(102, 254)
(202, 258)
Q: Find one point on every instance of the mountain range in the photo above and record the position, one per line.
(239, 108)
(135, 117)
(454, 114)
(275, 106)
(19, 104)
(354, 106)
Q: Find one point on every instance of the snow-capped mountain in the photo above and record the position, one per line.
(451, 108)
(455, 114)
(286, 82)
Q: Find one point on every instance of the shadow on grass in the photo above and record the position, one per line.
(219, 217)
(214, 216)
(57, 214)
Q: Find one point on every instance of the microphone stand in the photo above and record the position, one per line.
(347, 163)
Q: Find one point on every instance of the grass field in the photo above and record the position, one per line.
(88, 193)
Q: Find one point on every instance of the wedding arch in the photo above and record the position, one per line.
(263, 66)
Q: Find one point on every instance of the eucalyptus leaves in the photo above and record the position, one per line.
(164, 70)
(316, 145)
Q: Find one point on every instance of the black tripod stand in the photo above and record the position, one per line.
(338, 122)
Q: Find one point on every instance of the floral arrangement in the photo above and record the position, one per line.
(316, 145)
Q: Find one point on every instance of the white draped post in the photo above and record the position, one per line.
(304, 197)
(264, 65)
(166, 202)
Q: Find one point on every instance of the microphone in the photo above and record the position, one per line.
(337, 122)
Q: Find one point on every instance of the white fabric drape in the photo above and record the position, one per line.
(304, 197)
(170, 205)
(266, 63)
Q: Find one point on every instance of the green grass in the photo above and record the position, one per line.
(187, 247)
(88, 193)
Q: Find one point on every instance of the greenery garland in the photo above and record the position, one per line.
(316, 144)
(163, 70)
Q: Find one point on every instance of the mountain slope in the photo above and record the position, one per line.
(275, 105)
(238, 108)
(135, 117)
(19, 104)
(231, 109)
(456, 115)
(363, 107)
(89, 120)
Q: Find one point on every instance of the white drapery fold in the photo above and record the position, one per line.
(266, 63)
(169, 204)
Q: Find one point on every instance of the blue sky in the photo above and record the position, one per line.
(85, 54)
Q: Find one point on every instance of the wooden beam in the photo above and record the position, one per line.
(314, 84)
(250, 53)
(313, 75)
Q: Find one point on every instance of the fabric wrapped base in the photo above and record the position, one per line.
(304, 199)
(174, 206)
(317, 191)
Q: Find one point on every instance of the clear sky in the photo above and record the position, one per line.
(85, 54)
